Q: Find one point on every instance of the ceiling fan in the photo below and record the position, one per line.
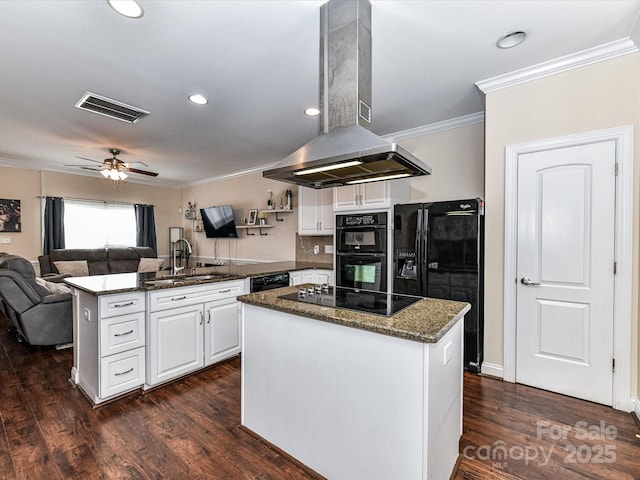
(113, 168)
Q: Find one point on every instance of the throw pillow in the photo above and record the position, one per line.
(52, 287)
(76, 268)
(150, 264)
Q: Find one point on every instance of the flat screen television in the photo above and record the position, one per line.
(218, 222)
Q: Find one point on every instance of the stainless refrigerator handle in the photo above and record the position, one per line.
(527, 281)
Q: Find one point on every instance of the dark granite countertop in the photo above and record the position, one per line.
(128, 282)
(425, 321)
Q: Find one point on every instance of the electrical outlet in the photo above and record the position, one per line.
(316, 249)
(447, 353)
(5, 239)
(328, 249)
(87, 314)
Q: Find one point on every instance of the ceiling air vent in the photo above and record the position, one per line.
(111, 108)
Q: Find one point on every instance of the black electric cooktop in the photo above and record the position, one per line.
(367, 301)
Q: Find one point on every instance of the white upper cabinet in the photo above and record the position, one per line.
(315, 211)
(370, 196)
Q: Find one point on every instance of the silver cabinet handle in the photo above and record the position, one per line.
(201, 318)
(173, 299)
(320, 225)
(224, 291)
(123, 334)
(208, 317)
(120, 305)
(361, 200)
(124, 373)
(527, 281)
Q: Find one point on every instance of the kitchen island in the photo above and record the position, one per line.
(354, 395)
(136, 331)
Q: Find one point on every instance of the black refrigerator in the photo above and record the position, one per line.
(438, 252)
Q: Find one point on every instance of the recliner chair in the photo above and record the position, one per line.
(41, 317)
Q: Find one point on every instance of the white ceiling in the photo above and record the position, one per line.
(257, 62)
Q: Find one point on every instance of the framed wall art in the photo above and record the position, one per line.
(10, 217)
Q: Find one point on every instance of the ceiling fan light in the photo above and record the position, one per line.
(122, 175)
(105, 173)
(113, 174)
(128, 8)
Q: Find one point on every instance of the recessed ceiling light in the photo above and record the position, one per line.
(198, 99)
(511, 39)
(312, 112)
(128, 8)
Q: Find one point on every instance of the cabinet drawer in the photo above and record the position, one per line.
(122, 372)
(121, 333)
(184, 296)
(121, 304)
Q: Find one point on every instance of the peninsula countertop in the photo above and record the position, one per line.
(127, 282)
(425, 321)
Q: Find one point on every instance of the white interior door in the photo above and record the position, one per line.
(565, 270)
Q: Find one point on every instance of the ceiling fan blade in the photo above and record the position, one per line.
(140, 164)
(143, 172)
(90, 159)
(95, 169)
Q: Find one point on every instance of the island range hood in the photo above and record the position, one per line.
(346, 151)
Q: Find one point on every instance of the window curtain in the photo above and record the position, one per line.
(53, 224)
(145, 227)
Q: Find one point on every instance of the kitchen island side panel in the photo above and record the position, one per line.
(345, 402)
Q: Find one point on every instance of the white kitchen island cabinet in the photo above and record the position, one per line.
(329, 388)
(110, 343)
(191, 327)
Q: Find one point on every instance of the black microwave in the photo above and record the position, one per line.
(361, 233)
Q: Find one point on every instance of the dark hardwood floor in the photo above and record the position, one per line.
(189, 429)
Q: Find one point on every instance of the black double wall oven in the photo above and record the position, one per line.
(361, 251)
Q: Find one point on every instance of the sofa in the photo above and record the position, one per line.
(100, 261)
(40, 311)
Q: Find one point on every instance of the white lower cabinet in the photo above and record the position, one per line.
(190, 328)
(222, 330)
(110, 343)
(311, 276)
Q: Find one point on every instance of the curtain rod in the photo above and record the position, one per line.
(93, 200)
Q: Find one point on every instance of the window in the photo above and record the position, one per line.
(98, 224)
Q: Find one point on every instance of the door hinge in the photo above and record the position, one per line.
(615, 267)
(616, 169)
(613, 365)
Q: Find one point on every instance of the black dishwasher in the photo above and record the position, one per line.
(269, 281)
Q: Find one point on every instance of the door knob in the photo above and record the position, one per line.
(527, 281)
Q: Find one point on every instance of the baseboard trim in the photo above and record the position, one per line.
(636, 408)
(492, 369)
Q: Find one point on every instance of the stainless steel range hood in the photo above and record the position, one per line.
(346, 151)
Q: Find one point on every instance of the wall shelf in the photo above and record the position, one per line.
(276, 211)
(249, 227)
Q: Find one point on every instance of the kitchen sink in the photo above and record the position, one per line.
(165, 281)
(187, 279)
(209, 276)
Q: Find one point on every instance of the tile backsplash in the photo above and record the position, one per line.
(304, 248)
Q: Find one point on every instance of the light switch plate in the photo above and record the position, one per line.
(5, 239)
(328, 249)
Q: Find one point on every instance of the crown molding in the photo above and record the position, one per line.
(40, 166)
(569, 62)
(227, 176)
(436, 127)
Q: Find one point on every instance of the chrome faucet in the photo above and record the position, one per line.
(175, 270)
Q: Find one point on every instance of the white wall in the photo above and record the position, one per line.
(599, 96)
